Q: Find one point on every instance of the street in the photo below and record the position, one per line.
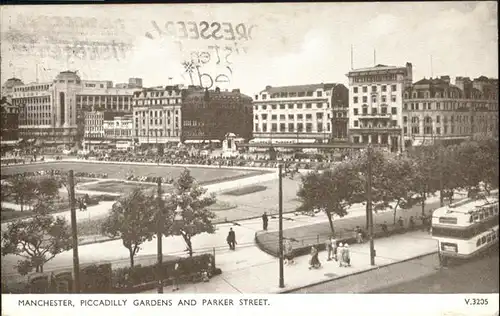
(421, 275)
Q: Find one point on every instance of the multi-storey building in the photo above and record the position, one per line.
(299, 114)
(434, 109)
(107, 129)
(54, 112)
(209, 115)
(157, 115)
(118, 132)
(9, 113)
(376, 105)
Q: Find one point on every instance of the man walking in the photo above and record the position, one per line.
(265, 221)
(231, 239)
(328, 248)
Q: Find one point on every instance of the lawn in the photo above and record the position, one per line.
(120, 171)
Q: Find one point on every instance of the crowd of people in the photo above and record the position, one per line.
(56, 172)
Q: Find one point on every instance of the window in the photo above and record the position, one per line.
(264, 96)
(282, 127)
(308, 105)
(319, 116)
(438, 119)
(365, 89)
(356, 111)
(274, 117)
(264, 117)
(405, 119)
(394, 123)
(438, 130)
(282, 106)
(365, 99)
(374, 99)
(299, 106)
(290, 106)
(300, 127)
(264, 107)
(308, 116)
(374, 111)
(384, 88)
(309, 127)
(356, 139)
(274, 127)
(290, 116)
(273, 106)
(405, 130)
(394, 110)
(384, 99)
(355, 100)
(355, 89)
(374, 88)
(394, 88)
(300, 116)
(438, 106)
(356, 123)
(320, 93)
(290, 127)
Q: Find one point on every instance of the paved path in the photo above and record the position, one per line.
(263, 277)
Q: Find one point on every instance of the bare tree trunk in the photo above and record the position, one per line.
(394, 215)
(367, 222)
(41, 268)
(423, 204)
(187, 239)
(131, 253)
(330, 221)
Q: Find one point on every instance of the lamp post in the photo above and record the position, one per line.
(369, 212)
(159, 237)
(280, 210)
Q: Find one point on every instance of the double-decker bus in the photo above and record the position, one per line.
(466, 228)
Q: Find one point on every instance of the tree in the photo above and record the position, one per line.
(192, 201)
(427, 173)
(23, 189)
(399, 175)
(132, 218)
(38, 239)
(331, 191)
(46, 188)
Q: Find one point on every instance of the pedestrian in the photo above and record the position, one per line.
(346, 255)
(175, 277)
(288, 252)
(401, 223)
(411, 223)
(340, 252)
(334, 248)
(328, 248)
(265, 221)
(385, 229)
(358, 235)
(231, 239)
(314, 261)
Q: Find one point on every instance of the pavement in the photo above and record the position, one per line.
(263, 277)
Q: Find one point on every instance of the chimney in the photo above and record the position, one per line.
(217, 89)
(445, 79)
(268, 87)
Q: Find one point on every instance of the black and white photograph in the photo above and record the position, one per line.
(249, 149)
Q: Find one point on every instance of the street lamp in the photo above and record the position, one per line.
(280, 210)
(369, 212)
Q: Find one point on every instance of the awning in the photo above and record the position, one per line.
(260, 140)
(417, 142)
(9, 142)
(307, 141)
(193, 141)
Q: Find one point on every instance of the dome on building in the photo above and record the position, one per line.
(68, 75)
(12, 82)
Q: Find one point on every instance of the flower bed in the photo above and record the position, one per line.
(247, 190)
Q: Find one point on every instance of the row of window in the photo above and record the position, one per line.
(460, 130)
(493, 236)
(102, 99)
(158, 122)
(158, 133)
(32, 88)
(274, 117)
(156, 113)
(31, 100)
(448, 106)
(375, 139)
(459, 119)
(393, 123)
(383, 99)
(301, 94)
(158, 102)
(467, 233)
(291, 106)
(159, 94)
(383, 88)
(374, 111)
(292, 127)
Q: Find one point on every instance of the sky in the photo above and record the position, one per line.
(289, 43)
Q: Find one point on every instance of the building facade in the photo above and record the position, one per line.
(435, 109)
(54, 112)
(9, 113)
(209, 115)
(299, 114)
(376, 105)
(157, 115)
